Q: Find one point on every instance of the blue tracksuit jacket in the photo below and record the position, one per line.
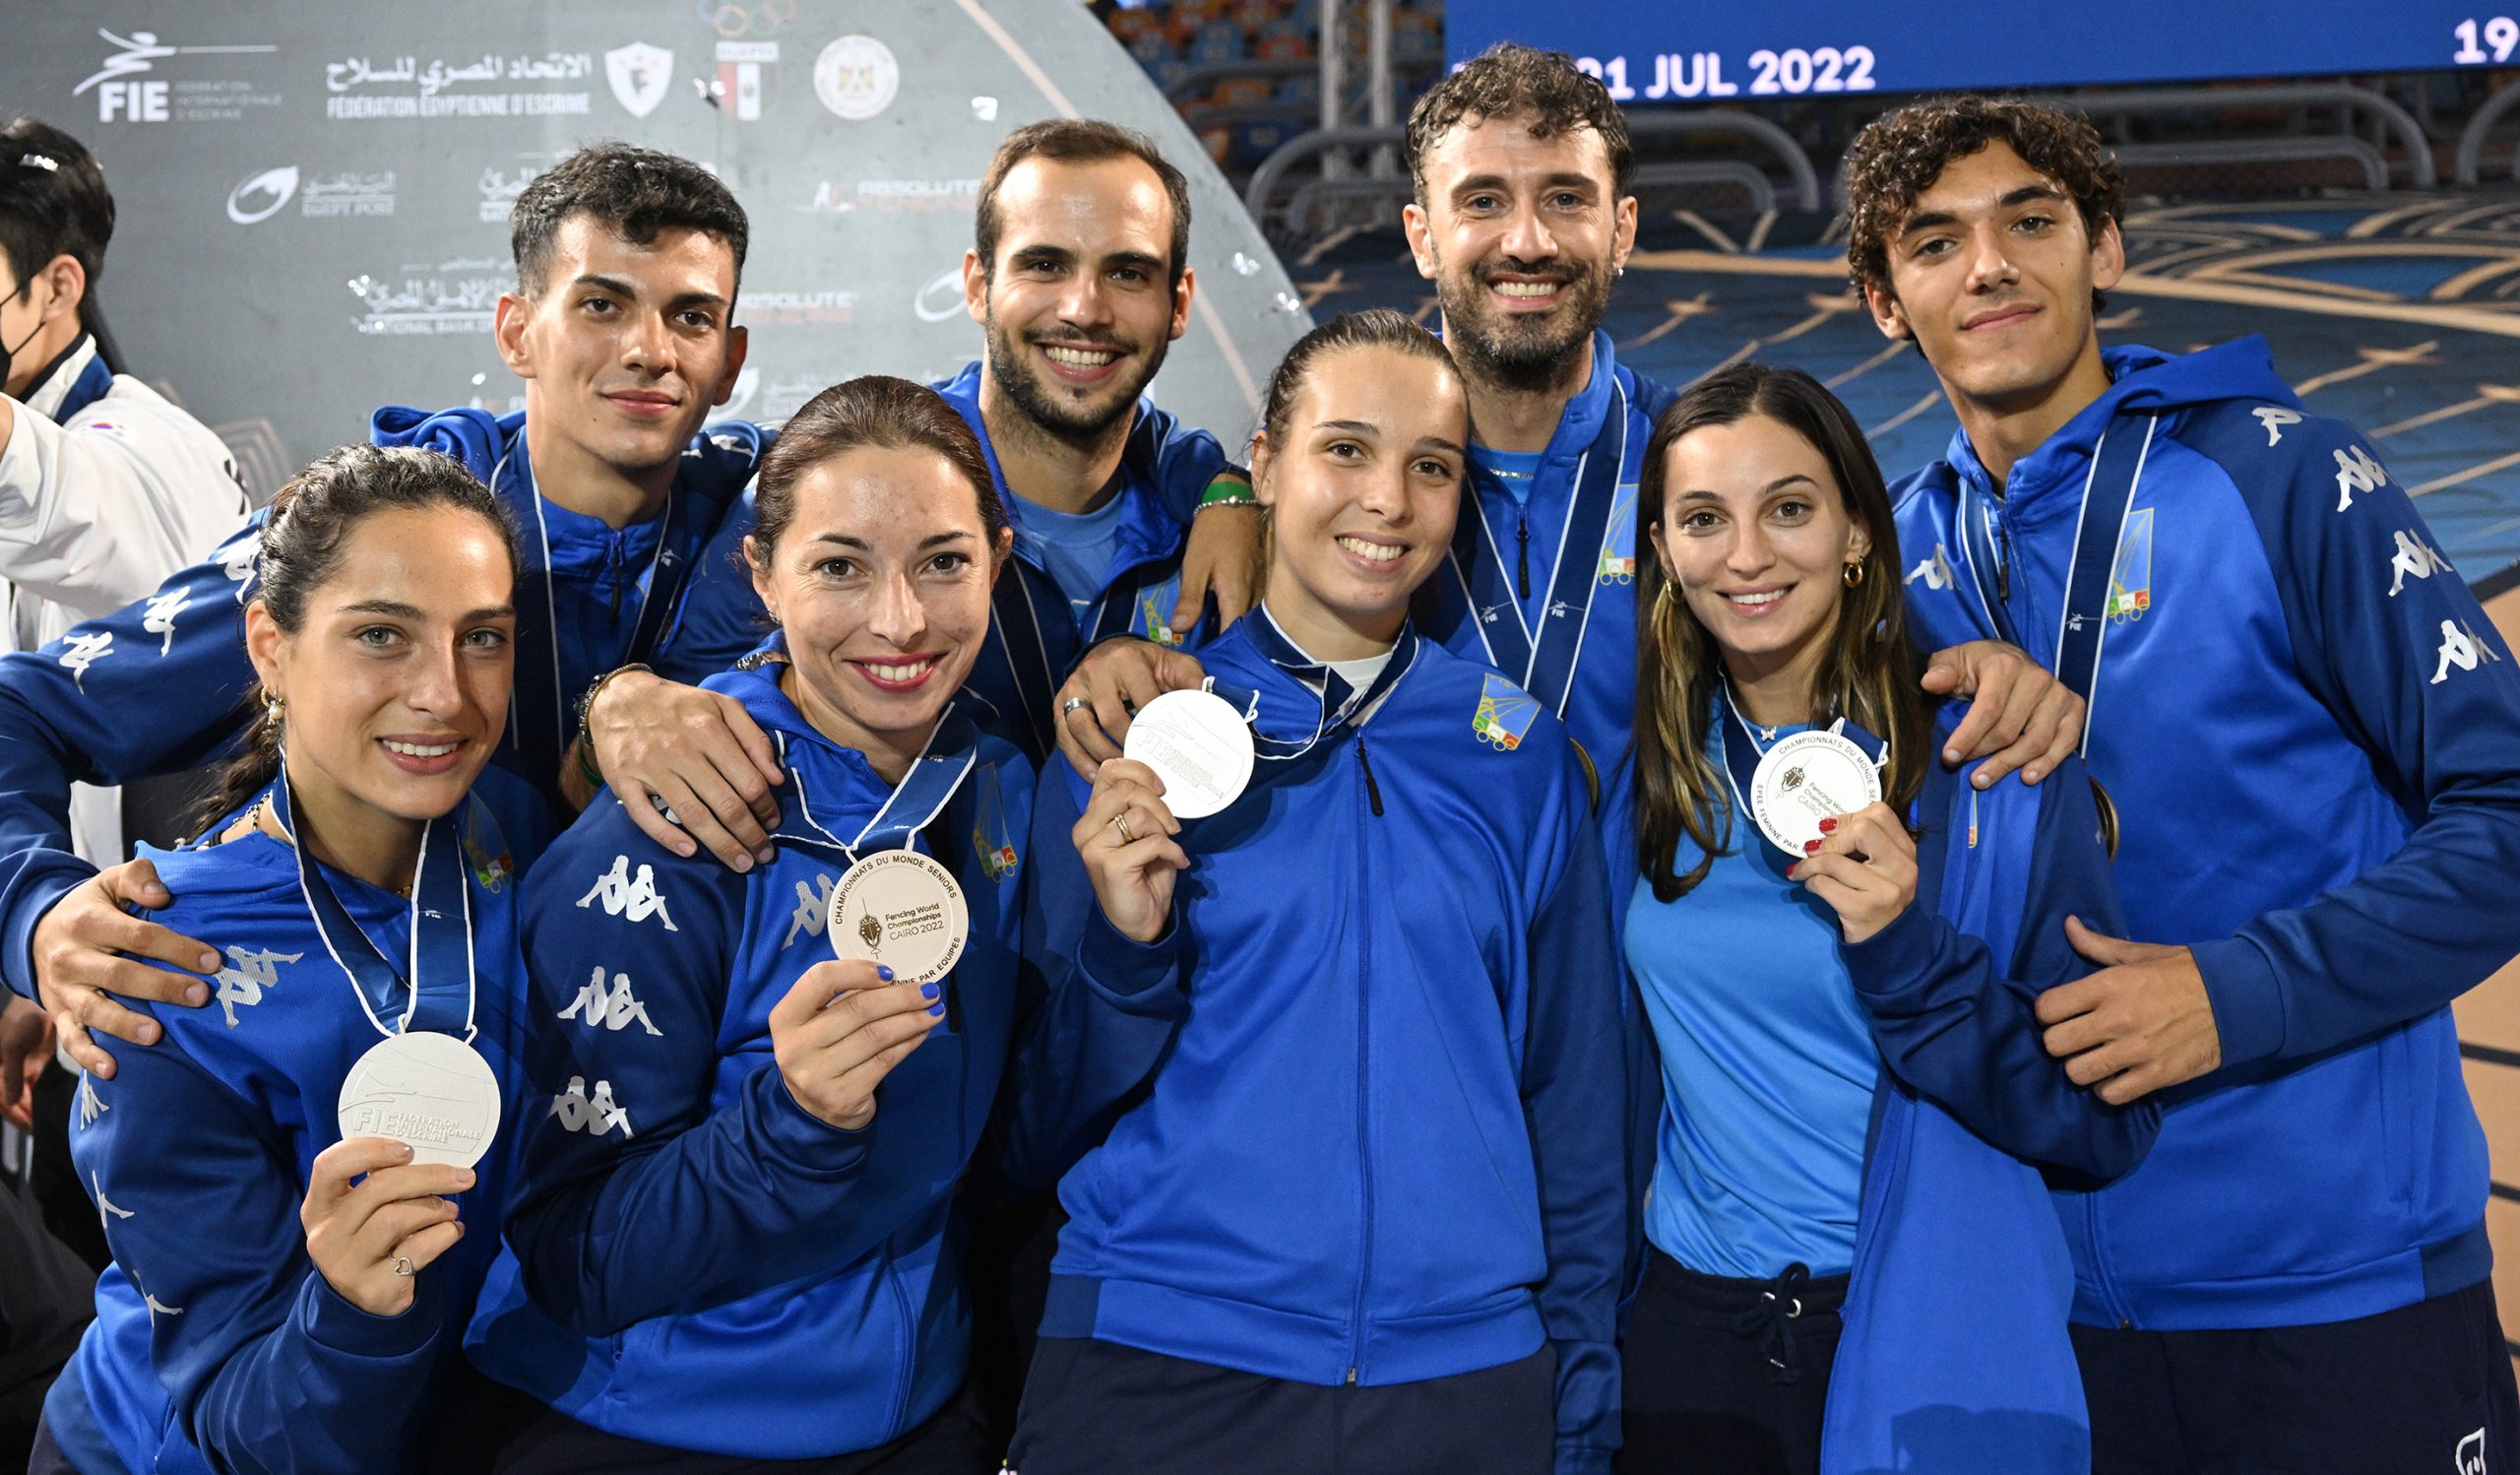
(1384, 1145)
(154, 687)
(1580, 662)
(1036, 636)
(2313, 738)
(697, 1261)
(217, 1344)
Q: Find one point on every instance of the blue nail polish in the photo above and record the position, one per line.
(884, 973)
(930, 990)
(937, 1010)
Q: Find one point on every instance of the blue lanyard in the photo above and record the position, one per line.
(952, 751)
(435, 988)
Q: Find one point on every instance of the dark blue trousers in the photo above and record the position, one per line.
(2426, 1389)
(1097, 1408)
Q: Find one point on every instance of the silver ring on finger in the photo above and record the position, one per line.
(1121, 820)
(1073, 705)
(402, 1266)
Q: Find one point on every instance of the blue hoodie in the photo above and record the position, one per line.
(217, 1344)
(1384, 1145)
(155, 688)
(2312, 737)
(698, 1261)
(1036, 635)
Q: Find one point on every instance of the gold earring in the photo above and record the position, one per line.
(274, 707)
(1854, 575)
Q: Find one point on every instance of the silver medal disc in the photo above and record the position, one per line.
(903, 910)
(430, 1091)
(1805, 778)
(1198, 746)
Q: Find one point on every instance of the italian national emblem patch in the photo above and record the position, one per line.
(1504, 715)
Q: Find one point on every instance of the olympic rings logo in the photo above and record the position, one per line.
(734, 22)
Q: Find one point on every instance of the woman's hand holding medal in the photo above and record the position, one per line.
(1125, 836)
(1865, 866)
(371, 1236)
(841, 1029)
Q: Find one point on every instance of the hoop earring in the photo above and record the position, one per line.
(1853, 575)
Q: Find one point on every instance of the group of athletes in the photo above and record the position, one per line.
(1497, 1081)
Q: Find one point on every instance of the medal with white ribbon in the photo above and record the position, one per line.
(1198, 746)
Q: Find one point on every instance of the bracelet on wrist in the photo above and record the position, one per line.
(1228, 491)
(583, 745)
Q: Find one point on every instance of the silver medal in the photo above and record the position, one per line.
(432, 1092)
(1805, 778)
(1198, 746)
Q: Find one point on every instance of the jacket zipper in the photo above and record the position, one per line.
(2100, 1265)
(907, 1338)
(1364, 1152)
(1523, 554)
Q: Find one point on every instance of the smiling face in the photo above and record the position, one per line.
(1522, 238)
(395, 683)
(625, 348)
(1993, 272)
(1080, 305)
(1362, 494)
(881, 579)
(1754, 531)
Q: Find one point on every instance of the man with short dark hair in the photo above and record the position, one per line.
(2311, 736)
(1127, 521)
(621, 326)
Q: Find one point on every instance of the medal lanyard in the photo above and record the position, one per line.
(934, 777)
(1742, 759)
(2082, 627)
(550, 705)
(440, 964)
(1358, 701)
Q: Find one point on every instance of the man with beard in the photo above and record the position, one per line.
(1080, 276)
(1523, 219)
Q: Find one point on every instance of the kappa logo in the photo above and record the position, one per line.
(159, 619)
(237, 561)
(248, 973)
(84, 651)
(2460, 647)
(2469, 1458)
(2275, 417)
(633, 897)
(812, 909)
(640, 74)
(1504, 715)
(610, 1009)
(2356, 473)
(593, 1115)
(91, 1105)
(1935, 572)
(2414, 560)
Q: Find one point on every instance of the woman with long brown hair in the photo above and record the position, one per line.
(1837, 943)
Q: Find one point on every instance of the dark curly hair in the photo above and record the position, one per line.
(1900, 154)
(635, 193)
(1544, 89)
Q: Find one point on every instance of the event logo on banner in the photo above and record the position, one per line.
(893, 196)
(400, 86)
(639, 73)
(455, 296)
(856, 77)
(261, 196)
(319, 197)
(499, 190)
(738, 89)
(127, 91)
(941, 300)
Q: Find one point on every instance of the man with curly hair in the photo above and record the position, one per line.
(2311, 736)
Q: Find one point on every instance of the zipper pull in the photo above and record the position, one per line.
(2003, 562)
(1523, 556)
(1374, 790)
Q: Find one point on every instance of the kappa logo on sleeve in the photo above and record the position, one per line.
(2462, 648)
(2414, 560)
(84, 651)
(613, 1008)
(91, 1105)
(239, 560)
(813, 909)
(159, 620)
(2275, 417)
(633, 899)
(2356, 472)
(2469, 1458)
(248, 974)
(1935, 572)
(593, 1115)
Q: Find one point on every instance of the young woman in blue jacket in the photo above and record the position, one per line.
(732, 1241)
(1367, 1212)
(284, 1297)
(1851, 1078)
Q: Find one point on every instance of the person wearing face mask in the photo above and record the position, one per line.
(1367, 1213)
(287, 1290)
(733, 1241)
(1855, 1104)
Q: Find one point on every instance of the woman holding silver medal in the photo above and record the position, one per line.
(1838, 944)
(1369, 1211)
(289, 1181)
(731, 1240)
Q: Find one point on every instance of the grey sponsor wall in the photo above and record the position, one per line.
(314, 197)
